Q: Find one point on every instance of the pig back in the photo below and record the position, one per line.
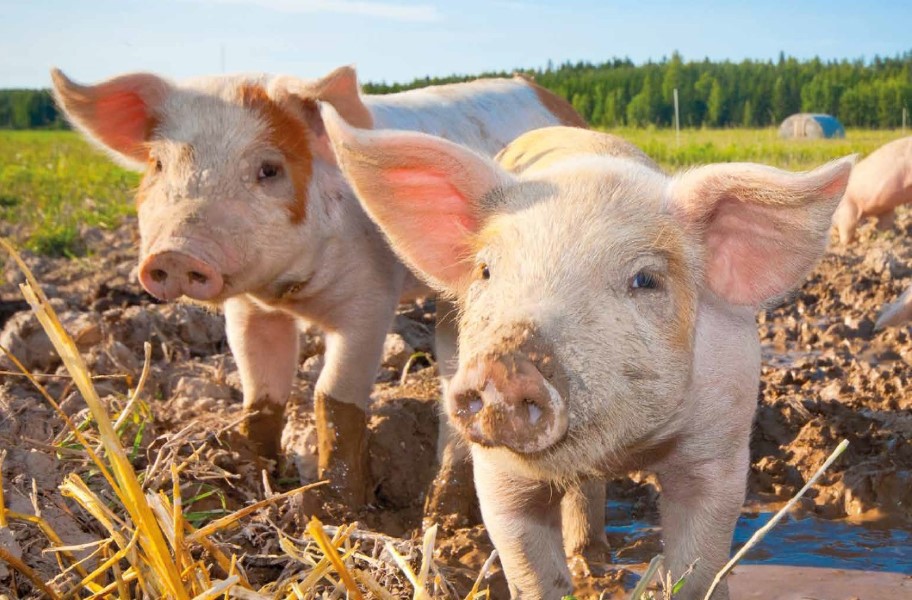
(883, 180)
(484, 115)
(539, 149)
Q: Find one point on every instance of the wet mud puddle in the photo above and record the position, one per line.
(808, 541)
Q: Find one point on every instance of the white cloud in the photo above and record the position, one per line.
(383, 10)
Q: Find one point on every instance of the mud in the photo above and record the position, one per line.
(826, 375)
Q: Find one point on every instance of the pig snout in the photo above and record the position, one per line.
(507, 402)
(170, 275)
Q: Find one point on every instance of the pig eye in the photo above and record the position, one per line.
(483, 271)
(158, 165)
(644, 280)
(268, 171)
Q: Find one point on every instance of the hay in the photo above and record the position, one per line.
(153, 551)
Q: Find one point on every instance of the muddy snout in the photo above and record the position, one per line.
(507, 402)
(172, 274)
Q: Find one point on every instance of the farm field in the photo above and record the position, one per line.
(827, 375)
(52, 183)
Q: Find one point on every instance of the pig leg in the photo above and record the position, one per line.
(896, 312)
(523, 520)
(451, 497)
(353, 354)
(265, 347)
(700, 504)
(846, 220)
(583, 522)
(886, 221)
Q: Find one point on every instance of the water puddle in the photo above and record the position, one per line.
(808, 541)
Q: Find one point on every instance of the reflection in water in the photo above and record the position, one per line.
(809, 541)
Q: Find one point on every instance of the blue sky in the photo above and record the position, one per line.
(398, 40)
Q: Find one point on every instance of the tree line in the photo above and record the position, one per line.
(29, 109)
(723, 94)
(618, 92)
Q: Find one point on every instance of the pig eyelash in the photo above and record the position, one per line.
(644, 280)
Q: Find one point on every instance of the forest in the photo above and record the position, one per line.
(870, 94)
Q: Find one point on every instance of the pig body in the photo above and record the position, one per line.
(880, 183)
(243, 205)
(607, 322)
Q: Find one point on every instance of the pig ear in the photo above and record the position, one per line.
(424, 192)
(763, 228)
(339, 89)
(119, 114)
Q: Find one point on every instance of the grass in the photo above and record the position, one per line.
(701, 146)
(52, 183)
(153, 550)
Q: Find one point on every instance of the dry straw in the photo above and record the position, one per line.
(152, 551)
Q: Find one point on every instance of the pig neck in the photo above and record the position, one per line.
(341, 254)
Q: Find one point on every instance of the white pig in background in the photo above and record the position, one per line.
(607, 323)
(243, 205)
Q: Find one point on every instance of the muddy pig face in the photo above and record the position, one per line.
(580, 284)
(226, 200)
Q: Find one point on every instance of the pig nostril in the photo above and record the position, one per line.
(158, 275)
(469, 404)
(535, 412)
(197, 277)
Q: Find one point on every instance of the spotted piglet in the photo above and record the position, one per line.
(607, 321)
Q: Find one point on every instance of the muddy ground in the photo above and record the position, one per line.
(827, 375)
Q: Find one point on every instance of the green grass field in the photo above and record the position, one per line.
(52, 182)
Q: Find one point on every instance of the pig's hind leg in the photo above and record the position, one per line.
(451, 497)
(583, 522)
(886, 221)
(265, 347)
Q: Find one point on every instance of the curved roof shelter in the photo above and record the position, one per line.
(810, 125)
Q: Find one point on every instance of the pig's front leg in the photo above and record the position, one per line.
(700, 504)
(523, 519)
(451, 496)
(265, 347)
(354, 350)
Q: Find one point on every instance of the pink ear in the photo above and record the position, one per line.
(424, 192)
(763, 228)
(119, 114)
(339, 89)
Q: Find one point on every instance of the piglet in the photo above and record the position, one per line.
(243, 206)
(607, 322)
(880, 183)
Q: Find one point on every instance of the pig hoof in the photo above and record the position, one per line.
(451, 502)
(342, 450)
(263, 426)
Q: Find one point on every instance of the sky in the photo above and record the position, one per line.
(398, 40)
